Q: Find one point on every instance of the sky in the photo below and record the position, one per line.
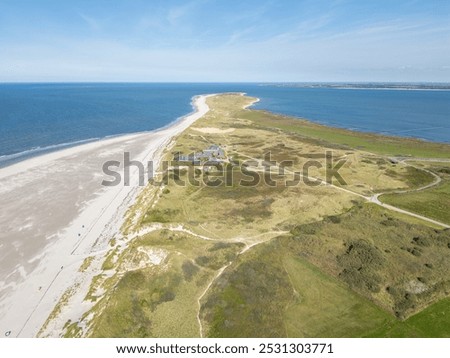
(225, 41)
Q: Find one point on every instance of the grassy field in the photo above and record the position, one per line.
(334, 278)
(270, 293)
(135, 308)
(385, 145)
(321, 262)
(325, 307)
(432, 202)
(249, 299)
(398, 265)
(432, 322)
(160, 299)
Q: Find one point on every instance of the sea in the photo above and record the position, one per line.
(45, 117)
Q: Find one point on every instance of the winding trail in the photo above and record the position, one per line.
(437, 180)
(250, 241)
(218, 274)
(374, 198)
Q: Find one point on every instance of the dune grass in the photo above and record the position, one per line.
(333, 279)
(271, 292)
(433, 203)
(160, 300)
(375, 143)
(399, 265)
(325, 307)
(340, 269)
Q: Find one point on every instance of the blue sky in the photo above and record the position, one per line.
(225, 40)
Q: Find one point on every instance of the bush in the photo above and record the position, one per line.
(308, 229)
(416, 251)
(161, 216)
(220, 245)
(407, 303)
(189, 270)
(335, 219)
(389, 222)
(393, 291)
(202, 260)
(360, 265)
(421, 241)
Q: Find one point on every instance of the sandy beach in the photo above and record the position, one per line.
(55, 213)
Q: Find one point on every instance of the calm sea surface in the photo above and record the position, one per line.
(39, 118)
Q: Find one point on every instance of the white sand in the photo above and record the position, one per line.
(55, 213)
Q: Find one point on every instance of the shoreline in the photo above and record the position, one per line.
(352, 131)
(90, 143)
(66, 217)
(198, 224)
(53, 268)
(68, 148)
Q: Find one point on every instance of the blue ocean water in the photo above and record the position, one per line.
(421, 114)
(38, 118)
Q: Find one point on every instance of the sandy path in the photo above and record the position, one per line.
(437, 180)
(55, 212)
(374, 198)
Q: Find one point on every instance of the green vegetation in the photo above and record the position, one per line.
(375, 143)
(235, 260)
(109, 262)
(72, 329)
(325, 307)
(161, 216)
(95, 285)
(250, 298)
(432, 322)
(136, 295)
(86, 263)
(332, 271)
(432, 202)
(414, 177)
(380, 256)
(58, 308)
(272, 293)
(160, 300)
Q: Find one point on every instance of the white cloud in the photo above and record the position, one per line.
(91, 22)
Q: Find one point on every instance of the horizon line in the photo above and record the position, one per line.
(225, 82)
